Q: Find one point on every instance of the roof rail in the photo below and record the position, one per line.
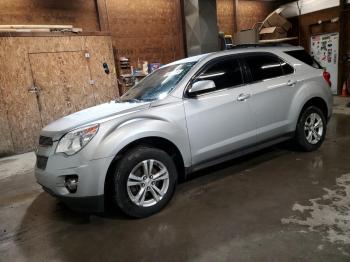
(261, 45)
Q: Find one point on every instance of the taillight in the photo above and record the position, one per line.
(327, 77)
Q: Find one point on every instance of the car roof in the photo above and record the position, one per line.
(238, 50)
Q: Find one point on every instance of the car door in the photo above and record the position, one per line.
(272, 86)
(220, 121)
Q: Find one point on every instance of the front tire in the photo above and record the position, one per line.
(311, 129)
(144, 181)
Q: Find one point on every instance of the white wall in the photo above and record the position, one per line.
(308, 6)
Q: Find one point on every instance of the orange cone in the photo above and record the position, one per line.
(344, 91)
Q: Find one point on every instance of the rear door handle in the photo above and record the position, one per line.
(243, 97)
(291, 82)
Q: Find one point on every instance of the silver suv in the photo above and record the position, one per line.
(185, 116)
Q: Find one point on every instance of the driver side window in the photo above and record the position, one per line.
(225, 73)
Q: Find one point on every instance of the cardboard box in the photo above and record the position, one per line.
(250, 36)
(276, 20)
(272, 33)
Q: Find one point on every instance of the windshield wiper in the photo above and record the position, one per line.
(134, 100)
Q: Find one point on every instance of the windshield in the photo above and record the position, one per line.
(158, 84)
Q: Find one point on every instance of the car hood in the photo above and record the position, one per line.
(90, 115)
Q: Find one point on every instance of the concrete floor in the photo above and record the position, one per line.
(274, 205)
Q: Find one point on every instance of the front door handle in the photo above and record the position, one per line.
(243, 97)
(291, 82)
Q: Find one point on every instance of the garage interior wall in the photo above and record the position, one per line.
(248, 13)
(146, 30)
(309, 26)
(80, 13)
(226, 18)
(143, 29)
(251, 12)
(68, 81)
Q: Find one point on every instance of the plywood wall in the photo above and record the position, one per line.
(225, 13)
(80, 13)
(6, 144)
(248, 13)
(146, 29)
(22, 107)
(143, 29)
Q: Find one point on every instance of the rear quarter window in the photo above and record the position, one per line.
(265, 66)
(304, 57)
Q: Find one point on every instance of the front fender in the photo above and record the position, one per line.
(118, 137)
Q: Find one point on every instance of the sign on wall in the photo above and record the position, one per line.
(325, 50)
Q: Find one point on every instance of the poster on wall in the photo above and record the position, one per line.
(325, 50)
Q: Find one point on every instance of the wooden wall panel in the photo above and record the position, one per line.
(105, 84)
(143, 29)
(250, 12)
(23, 113)
(6, 145)
(146, 30)
(225, 13)
(80, 13)
(63, 79)
(16, 78)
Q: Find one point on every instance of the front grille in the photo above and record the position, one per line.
(41, 162)
(45, 141)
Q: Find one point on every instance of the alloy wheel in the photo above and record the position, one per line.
(148, 182)
(313, 128)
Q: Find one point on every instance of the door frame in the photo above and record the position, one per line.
(208, 64)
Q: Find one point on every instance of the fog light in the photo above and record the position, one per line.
(71, 183)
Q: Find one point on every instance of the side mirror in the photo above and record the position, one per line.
(200, 86)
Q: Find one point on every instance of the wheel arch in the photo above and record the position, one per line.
(151, 141)
(317, 102)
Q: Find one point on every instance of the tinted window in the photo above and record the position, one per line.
(287, 69)
(304, 57)
(264, 66)
(225, 73)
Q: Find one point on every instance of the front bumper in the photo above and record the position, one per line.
(92, 204)
(89, 196)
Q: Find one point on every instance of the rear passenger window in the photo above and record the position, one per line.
(304, 57)
(225, 73)
(264, 66)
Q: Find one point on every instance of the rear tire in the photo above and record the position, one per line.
(144, 181)
(311, 129)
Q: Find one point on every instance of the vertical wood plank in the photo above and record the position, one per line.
(102, 15)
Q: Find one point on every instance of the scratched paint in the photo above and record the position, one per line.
(328, 214)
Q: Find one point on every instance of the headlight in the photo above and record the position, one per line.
(74, 141)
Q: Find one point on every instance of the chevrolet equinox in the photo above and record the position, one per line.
(183, 117)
